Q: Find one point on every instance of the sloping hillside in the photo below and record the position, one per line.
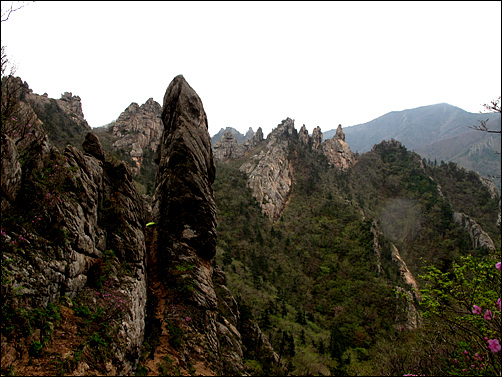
(436, 132)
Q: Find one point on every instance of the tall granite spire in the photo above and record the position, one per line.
(184, 194)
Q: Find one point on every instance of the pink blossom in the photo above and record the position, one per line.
(488, 314)
(476, 310)
(498, 303)
(494, 345)
(466, 352)
(497, 265)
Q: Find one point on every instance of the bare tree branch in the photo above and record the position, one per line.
(492, 107)
(8, 11)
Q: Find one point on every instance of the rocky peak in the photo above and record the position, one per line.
(46, 109)
(339, 133)
(227, 147)
(151, 106)
(71, 104)
(316, 138)
(249, 133)
(303, 135)
(338, 152)
(138, 128)
(285, 129)
(185, 213)
(258, 136)
(269, 170)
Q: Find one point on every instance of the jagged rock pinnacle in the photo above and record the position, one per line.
(187, 210)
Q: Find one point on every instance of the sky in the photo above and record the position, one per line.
(254, 64)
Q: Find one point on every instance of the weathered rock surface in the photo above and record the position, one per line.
(138, 129)
(316, 138)
(10, 172)
(480, 239)
(253, 141)
(304, 136)
(227, 148)
(79, 205)
(185, 213)
(270, 172)
(337, 151)
(70, 104)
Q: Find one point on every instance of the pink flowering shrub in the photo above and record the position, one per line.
(465, 306)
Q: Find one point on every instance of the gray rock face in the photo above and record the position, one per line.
(10, 172)
(339, 133)
(92, 146)
(316, 138)
(304, 137)
(138, 128)
(185, 213)
(480, 239)
(70, 104)
(270, 173)
(227, 148)
(79, 206)
(185, 199)
(338, 152)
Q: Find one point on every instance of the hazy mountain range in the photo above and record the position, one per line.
(440, 132)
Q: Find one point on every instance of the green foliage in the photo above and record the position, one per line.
(313, 269)
(167, 367)
(61, 128)
(175, 335)
(141, 370)
(467, 193)
(451, 300)
(311, 279)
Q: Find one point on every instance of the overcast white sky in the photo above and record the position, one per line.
(255, 63)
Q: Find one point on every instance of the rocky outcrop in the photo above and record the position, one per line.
(249, 134)
(71, 105)
(227, 148)
(339, 133)
(480, 239)
(316, 138)
(185, 213)
(138, 129)
(338, 152)
(10, 172)
(270, 172)
(304, 137)
(253, 141)
(74, 213)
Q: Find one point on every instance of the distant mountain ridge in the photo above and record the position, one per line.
(237, 135)
(437, 132)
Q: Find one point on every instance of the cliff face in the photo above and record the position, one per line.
(71, 225)
(337, 151)
(138, 129)
(269, 170)
(185, 214)
(227, 148)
